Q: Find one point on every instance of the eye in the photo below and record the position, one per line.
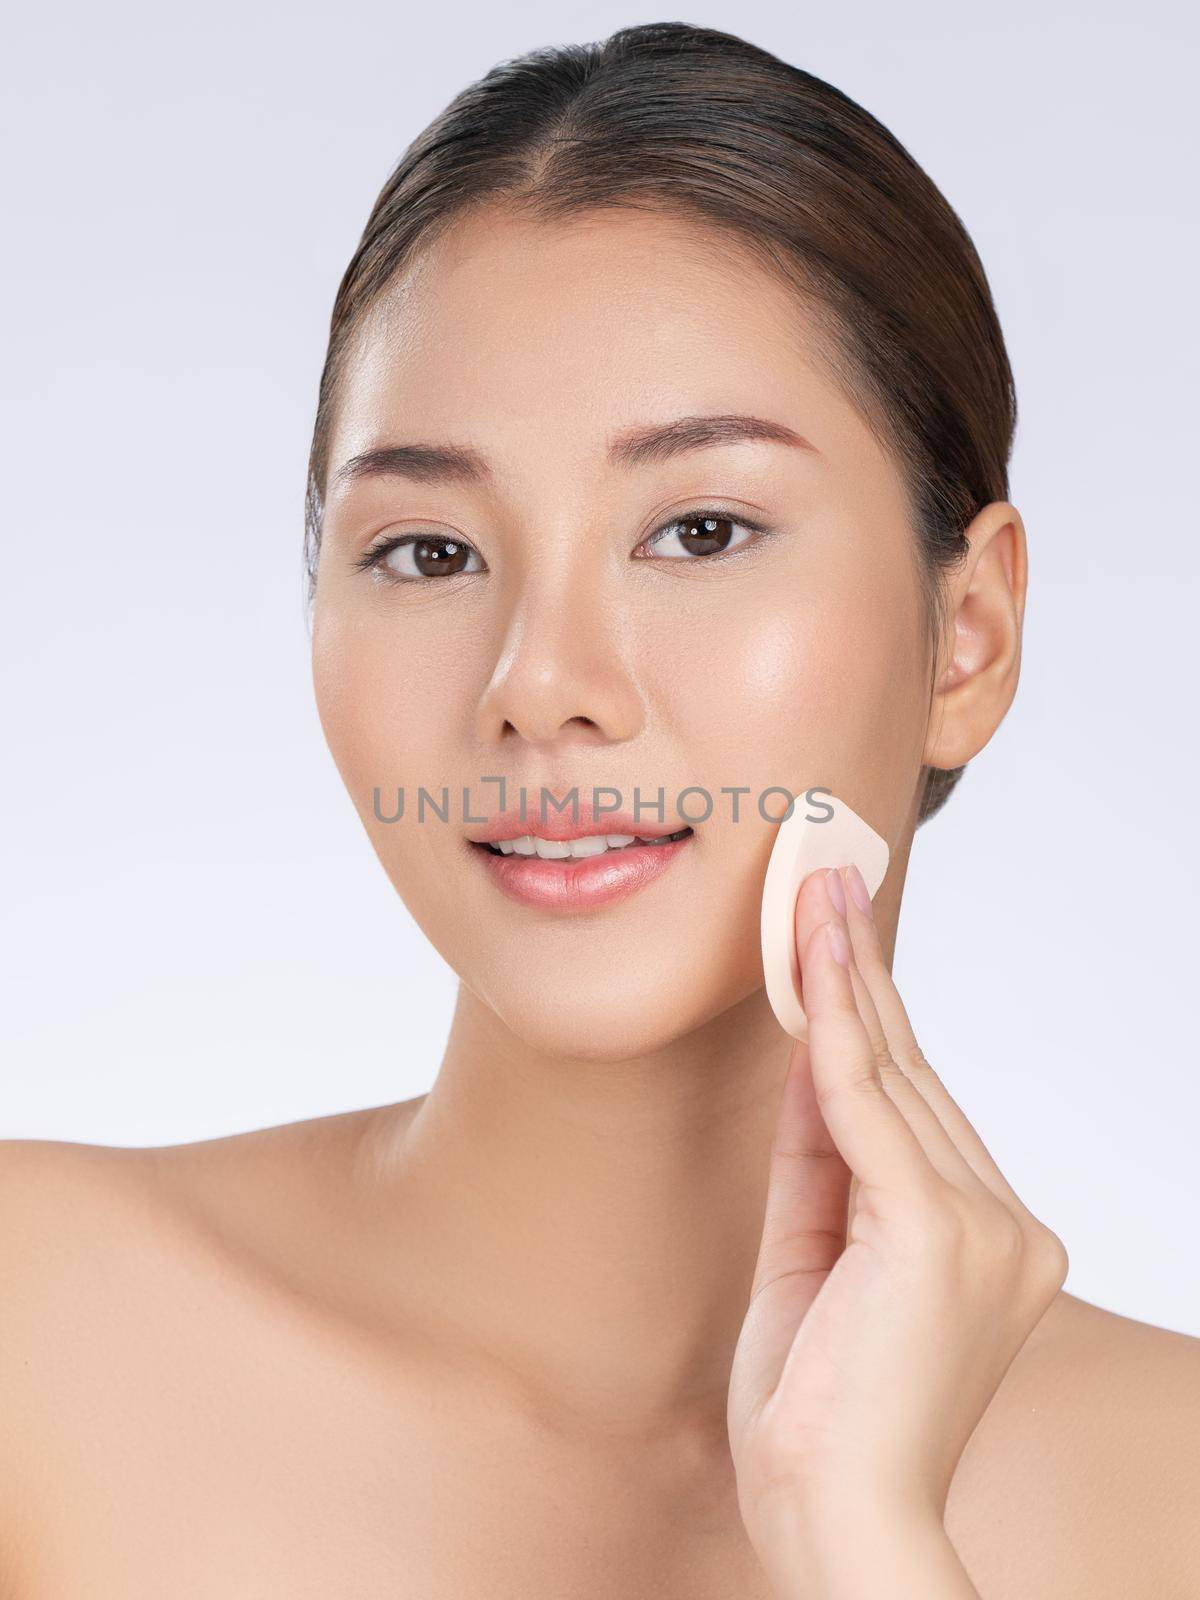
(419, 556)
(702, 533)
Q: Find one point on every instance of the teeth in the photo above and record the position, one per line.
(558, 849)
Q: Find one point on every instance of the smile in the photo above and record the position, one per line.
(591, 845)
(576, 875)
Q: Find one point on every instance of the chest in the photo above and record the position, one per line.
(194, 1432)
(210, 1451)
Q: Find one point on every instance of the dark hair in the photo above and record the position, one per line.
(699, 124)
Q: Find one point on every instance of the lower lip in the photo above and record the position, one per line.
(579, 883)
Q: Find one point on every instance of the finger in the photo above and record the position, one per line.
(862, 994)
(808, 1186)
(868, 1128)
(920, 1116)
(804, 1228)
(902, 1041)
(813, 908)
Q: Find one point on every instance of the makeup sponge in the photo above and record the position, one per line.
(822, 831)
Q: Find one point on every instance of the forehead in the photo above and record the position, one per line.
(529, 338)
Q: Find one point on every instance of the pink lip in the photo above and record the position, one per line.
(575, 820)
(580, 883)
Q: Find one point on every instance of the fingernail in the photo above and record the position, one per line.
(858, 889)
(838, 943)
(837, 894)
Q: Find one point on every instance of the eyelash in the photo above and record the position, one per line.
(374, 555)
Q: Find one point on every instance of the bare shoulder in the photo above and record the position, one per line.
(76, 1217)
(86, 1228)
(105, 1254)
(59, 1198)
(50, 1188)
(65, 1208)
(69, 1213)
(1084, 1477)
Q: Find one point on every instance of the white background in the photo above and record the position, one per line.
(197, 936)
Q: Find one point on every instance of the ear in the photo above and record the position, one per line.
(980, 656)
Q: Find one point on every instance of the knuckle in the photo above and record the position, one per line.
(885, 1062)
(1008, 1245)
(1024, 1251)
(916, 1061)
(983, 1231)
(893, 1078)
(861, 1080)
(1048, 1258)
(986, 1242)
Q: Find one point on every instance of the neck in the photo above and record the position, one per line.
(589, 1227)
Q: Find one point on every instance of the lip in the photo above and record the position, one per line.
(578, 821)
(578, 883)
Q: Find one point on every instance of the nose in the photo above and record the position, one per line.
(563, 673)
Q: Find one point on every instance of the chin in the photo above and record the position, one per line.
(620, 1020)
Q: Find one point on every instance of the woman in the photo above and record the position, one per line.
(661, 447)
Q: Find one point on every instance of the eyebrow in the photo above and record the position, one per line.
(444, 463)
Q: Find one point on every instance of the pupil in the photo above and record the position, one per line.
(428, 550)
(701, 538)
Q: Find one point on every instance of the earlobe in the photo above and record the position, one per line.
(981, 652)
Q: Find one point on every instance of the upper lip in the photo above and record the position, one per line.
(572, 822)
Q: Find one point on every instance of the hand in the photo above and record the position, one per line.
(869, 1353)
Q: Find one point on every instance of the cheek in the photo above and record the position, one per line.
(387, 726)
(346, 685)
(809, 690)
(383, 720)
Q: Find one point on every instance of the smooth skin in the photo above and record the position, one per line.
(871, 1350)
(483, 1341)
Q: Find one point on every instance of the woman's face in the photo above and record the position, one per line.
(577, 635)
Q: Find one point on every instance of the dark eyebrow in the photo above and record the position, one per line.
(644, 445)
(441, 463)
(423, 463)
